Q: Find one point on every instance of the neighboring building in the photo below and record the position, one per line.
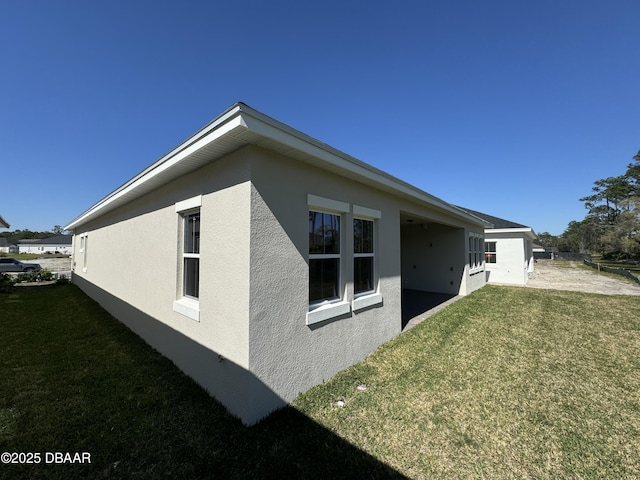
(542, 253)
(8, 246)
(58, 244)
(262, 261)
(3, 223)
(508, 250)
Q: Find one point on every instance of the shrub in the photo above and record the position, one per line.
(6, 283)
(43, 275)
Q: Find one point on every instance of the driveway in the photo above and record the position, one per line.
(53, 264)
(567, 275)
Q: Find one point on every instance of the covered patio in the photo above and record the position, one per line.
(432, 266)
(418, 305)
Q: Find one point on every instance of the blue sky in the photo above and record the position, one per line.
(508, 107)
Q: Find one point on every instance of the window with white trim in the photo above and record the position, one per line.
(476, 253)
(191, 255)
(490, 252)
(324, 256)
(84, 244)
(363, 256)
(188, 277)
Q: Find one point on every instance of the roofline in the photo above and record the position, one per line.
(487, 224)
(525, 230)
(240, 118)
(3, 223)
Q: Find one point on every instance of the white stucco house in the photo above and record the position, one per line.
(8, 246)
(266, 261)
(508, 250)
(57, 244)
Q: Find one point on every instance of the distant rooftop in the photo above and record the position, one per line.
(58, 240)
(7, 242)
(498, 223)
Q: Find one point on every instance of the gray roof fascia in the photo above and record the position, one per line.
(529, 232)
(164, 164)
(239, 119)
(364, 172)
(3, 223)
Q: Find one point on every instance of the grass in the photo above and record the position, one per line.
(24, 257)
(633, 267)
(505, 383)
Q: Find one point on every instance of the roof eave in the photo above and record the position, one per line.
(235, 123)
(526, 231)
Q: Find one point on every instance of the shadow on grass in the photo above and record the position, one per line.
(77, 380)
(418, 302)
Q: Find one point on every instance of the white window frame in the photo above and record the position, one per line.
(476, 253)
(495, 252)
(84, 247)
(331, 256)
(183, 304)
(371, 297)
(323, 310)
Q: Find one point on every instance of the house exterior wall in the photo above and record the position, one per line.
(512, 260)
(132, 260)
(528, 249)
(253, 347)
(433, 258)
(476, 278)
(285, 352)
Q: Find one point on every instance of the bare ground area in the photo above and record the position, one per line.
(569, 275)
(54, 264)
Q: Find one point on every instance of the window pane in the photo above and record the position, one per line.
(324, 233)
(192, 277)
(316, 239)
(363, 274)
(490, 252)
(331, 233)
(324, 279)
(192, 233)
(362, 236)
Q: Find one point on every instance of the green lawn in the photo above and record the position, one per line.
(633, 267)
(25, 257)
(505, 383)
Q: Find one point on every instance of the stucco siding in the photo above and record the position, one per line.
(286, 353)
(433, 258)
(511, 264)
(252, 345)
(133, 264)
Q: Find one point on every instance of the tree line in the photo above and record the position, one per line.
(28, 234)
(611, 227)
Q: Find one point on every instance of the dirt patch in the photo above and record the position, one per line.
(54, 264)
(569, 275)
